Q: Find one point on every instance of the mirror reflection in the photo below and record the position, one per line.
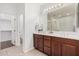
(62, 17)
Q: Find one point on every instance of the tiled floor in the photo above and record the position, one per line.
(17, 51)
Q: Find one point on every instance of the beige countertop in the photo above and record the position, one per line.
(71, 35)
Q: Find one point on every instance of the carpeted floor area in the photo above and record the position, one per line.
(6, 44)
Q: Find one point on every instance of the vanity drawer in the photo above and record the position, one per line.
(38, 36)
(69, 41)
(47, 37)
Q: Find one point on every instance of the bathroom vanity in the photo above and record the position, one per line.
(56, 45)
(63, 21)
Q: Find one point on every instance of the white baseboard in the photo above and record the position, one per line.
(28, 50)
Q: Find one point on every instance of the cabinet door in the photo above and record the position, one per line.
(69, 47)
(56, 47)
(47, 41)
(36, 43)
(68, 50)
(40, 44)
(47, 45)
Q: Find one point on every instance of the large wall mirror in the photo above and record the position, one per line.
(62, 17)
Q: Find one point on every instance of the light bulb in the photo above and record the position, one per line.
(59, 4)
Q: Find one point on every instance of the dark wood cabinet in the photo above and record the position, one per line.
(35, 42)
(56, 46)
(68, 50)
(38, 42)
(47, 50)
(69, 47)
(47, 45)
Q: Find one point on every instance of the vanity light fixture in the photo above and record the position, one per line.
(60, 5)
(53, 7)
